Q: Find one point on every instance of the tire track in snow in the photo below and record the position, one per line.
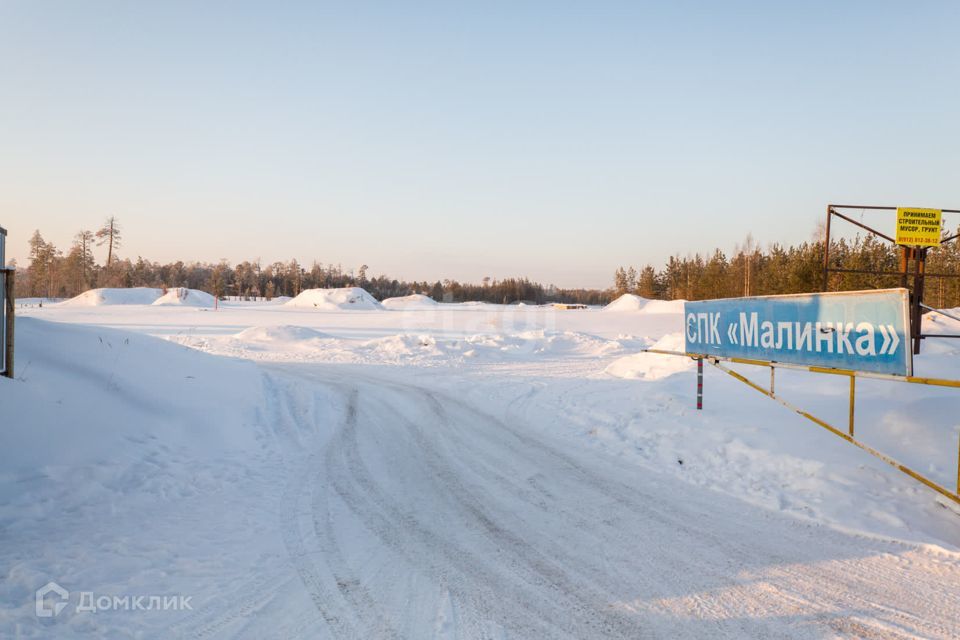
(469, 465)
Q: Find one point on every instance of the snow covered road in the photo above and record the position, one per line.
(393, 475)
(421, 515)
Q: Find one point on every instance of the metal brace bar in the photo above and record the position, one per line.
(955, 497)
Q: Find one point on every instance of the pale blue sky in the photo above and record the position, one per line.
(556, 140)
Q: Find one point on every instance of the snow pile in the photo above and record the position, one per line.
(104, 297)
(663, 306)
(653, 366)
(279, 335)
(415, 301)
(538, 342)
(631, 302)
(627, 302)
(352, 298)
(181, 296)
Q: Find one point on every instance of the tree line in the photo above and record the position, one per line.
(749, 270)
(53, 273)
(752, 271)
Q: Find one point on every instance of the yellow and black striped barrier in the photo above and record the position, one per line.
(853, 375)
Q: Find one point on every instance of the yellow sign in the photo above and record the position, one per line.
(918, 227)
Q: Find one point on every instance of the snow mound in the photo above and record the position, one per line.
(181, 296)
(663, 306)
(102, 297)
(653, 366)
(415, 301)
(352, 298)
(284, 333)
(631, 302)
(627, 302)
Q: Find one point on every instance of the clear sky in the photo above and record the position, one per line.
(556, 140)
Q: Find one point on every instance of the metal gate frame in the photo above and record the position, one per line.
(917, 254)
(853, 375)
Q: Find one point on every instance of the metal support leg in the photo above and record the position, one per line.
(853, 386)
(699, 384)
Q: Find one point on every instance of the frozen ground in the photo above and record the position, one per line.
(457, 471)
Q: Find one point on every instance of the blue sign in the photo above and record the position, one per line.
(859, 330)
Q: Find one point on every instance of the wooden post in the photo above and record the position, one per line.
(8, 289)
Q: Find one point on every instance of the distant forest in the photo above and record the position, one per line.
(750, 270)
(53, 273)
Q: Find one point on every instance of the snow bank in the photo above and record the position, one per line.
(301, 344)
(279, 334)
(181, 296)
(102, 297)
(630, 302)
(653, 366)
(92, 390)
(352, 298)
(415, 301)
(663, 306)
(627, 302)
(121, 457)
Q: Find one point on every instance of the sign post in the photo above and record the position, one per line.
(917, 230)
(856, 330)
(5, 366)
(699, 384)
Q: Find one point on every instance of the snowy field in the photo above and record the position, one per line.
(334, 467)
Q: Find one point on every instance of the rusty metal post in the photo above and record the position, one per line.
(699, 384)
(904, 251)
(853, 391)
(8, 281)
(826, 251)
(916, 317)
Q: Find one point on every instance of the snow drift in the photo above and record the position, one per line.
(631, 302)
(415, 301)
(279, 334)
(351, 298)
(102, 297)
(653, 366)
(181, 296)
(627, 302)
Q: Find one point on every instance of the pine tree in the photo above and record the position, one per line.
(631, 279)
(109, 234)
(83, 249)
(647, 284)
(620, 281)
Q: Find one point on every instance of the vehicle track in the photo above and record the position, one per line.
(421, 503)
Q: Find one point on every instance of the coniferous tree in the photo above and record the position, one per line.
(109, 234)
